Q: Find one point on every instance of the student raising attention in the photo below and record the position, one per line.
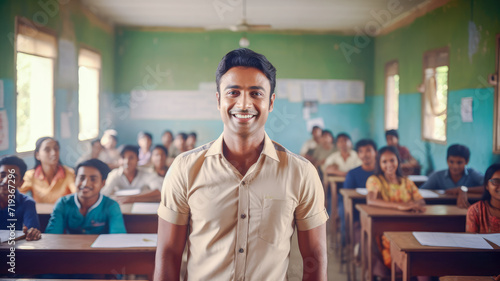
(49, 180)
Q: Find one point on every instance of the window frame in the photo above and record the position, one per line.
(24, 21)
(88, 48)
(434, 52)
(496, 106)
(388, 66)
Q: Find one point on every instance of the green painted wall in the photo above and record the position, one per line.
(445, 26)
(188, 58)
(73, 24)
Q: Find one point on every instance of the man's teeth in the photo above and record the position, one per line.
(243, 116)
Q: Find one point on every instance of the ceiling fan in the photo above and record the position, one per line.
(243, 26)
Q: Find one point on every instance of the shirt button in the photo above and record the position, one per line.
(241, 250)
(243, 183)
(243, 216)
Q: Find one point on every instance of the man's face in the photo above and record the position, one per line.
(6, 179)
(158, 158)
(344, 144)
(243, 100)
(191, 141)
(317, 133)
(326, 140)
(367, 154)
(392, 140)
(456, 165)
(88, 182)
(166, 139)
(179, 142)
(129, 161)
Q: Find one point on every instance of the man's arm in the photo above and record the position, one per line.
(171, 242)
(312, 246)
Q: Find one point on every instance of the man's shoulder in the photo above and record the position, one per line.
(107, 202)
(196, 152)
(285, 153)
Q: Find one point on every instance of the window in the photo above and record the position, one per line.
(391, 95)
(435, 95)
(89, 67)
(496, 133)
(35, 56)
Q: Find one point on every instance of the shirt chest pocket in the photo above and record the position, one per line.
(276, 219)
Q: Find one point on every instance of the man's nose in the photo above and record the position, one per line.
(244, 101)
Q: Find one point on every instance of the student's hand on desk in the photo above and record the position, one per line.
(32, 233)
(462, 200)
(411, 206)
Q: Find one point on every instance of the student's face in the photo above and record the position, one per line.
(456, 165)
(166, 139)
(179, 142)
(244, 102)
(48, 153)
(316, 133)
(388, 163)
(145, 143)
(108, 142)
(391, 140)
(129, 161)
(9, 175)
(97, 147)
(326, 140)
(344, 144)
(494, 189)
(191, 141)
(367, 155)
(88, 182)
(158, 158)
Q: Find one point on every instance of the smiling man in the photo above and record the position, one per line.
(87, 211)
(243, 194)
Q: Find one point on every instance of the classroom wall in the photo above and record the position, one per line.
(187, 58)
(75, 26)
(445, 26)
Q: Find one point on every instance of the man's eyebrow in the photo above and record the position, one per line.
(232, 87)
(239, 87)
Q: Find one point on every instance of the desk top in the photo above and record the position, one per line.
(352, 193)
(431, 211)
(407, 242)
(335, 178)
(47, 208)
(68, 242)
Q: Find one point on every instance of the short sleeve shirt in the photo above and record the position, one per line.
(343, 165)
(43, 191)
(24, 212)
(400, 193)
(442, 180)
(241, 226)
(118, 181)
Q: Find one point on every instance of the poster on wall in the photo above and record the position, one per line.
(4, 130)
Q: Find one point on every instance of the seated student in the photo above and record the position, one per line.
(87, 211)
(167, 139)
(49, 180)
(388, 188)
(12, 170)
(95, 152)
(191, 141)
(457, 174)
(484, 216)
(145, 140)
(345, 159)
(127, 176)
(324, 149)
(409, 166)
(158, 172)
(178, 147)
(311, 144)
(110, 154)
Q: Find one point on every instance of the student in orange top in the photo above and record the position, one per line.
(484, 216)
(50, 179)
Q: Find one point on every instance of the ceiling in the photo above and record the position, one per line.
(343, 16)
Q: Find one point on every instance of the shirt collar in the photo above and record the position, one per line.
(268, 149)
(77, 202)
(447, 172)
(60, 174)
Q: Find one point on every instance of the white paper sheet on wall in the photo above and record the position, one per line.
(4, 130)
(466, 109)
(324, 91)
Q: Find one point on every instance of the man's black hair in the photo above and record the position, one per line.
(246, 58)
(366, 142)
(128, 147)
(459, 151)
(145, 134)
(15, 161)
(392, 133)
(183, 135)
(161, 147)
(95, 163)
(344, 135)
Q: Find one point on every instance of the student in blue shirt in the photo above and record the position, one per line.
(12, 170)
(87, 211)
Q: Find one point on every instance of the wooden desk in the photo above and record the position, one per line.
(72, 254)
(333, 181)
(134, 223)
(375, 221)
(417, 260)
(466, 278)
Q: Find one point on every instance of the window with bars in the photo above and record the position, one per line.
(89, 68)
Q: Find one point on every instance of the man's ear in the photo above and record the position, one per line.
(271, 102)
(218, 100)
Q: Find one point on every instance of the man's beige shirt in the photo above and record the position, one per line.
(241, 226)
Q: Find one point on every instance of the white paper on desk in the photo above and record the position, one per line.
(428, 193)
(5, 234)
(145, 208)
(362, 191)
(492, 237)
(460, 240)
(127, 192)
(125, 240)
(418, 177)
